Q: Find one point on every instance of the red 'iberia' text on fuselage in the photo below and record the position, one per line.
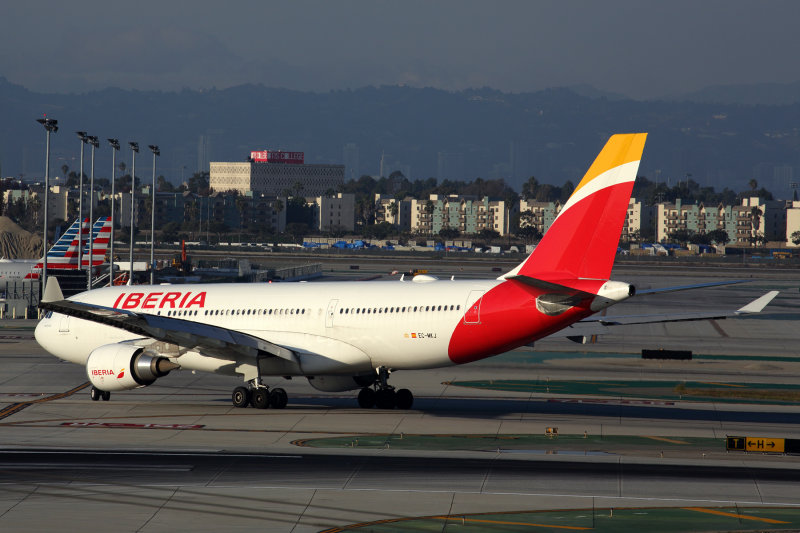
(160, 300)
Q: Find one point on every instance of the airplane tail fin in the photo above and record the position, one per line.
(583, 239)
(66, 247)
(100, 237)
(63, 255)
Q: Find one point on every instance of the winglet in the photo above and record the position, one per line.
(52, 291)
(758, 304)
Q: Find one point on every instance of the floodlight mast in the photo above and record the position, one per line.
(156, 152)
(95, 143)
(82, 136)
(134, 150)
(115, 147)
(51, 126)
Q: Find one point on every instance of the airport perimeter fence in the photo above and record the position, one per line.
(19, 299)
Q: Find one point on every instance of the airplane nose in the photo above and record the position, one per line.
(44, 333)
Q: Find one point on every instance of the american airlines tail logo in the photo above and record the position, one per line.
(160, 300)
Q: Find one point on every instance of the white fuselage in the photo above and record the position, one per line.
(334, 327)
(13, 269)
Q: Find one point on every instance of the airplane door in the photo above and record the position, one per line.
(63, 324)
(329, 315)
(473, 306)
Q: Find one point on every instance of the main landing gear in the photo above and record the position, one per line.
(259, 396)
(383, 395)
(96, 394)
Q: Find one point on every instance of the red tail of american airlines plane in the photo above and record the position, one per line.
(352, 335)
(63, 255)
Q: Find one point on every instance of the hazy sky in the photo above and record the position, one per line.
(635, 47)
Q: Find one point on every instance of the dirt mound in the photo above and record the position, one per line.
(17, 243)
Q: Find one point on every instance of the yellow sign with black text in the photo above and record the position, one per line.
(759, 444)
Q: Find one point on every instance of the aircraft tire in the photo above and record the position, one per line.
(240, 397)
(278, 398)
(95, 394)
(260, 398)
(385, 399)
(105, 395)
(366, 398)
(404, 399)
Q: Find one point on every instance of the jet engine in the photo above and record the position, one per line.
(116, 367)
(341, 383)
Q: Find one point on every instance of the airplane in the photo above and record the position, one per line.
(63, 255)
(352, 335)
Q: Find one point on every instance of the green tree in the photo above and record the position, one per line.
(755, 217)
(449, 233)
(529, 188)
(680, 236)
(529, 234)
(699, 238)
(297, 230)
(719, 236)
(163, 185)
(488, 235)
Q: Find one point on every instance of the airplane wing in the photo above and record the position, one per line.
(598, 325)
(210, 340)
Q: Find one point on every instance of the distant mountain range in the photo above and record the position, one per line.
(552, 134)
(748, 94)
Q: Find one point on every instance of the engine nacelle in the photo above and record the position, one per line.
(341, 383)
(116, 367)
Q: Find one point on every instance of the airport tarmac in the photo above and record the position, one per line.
(177, 456)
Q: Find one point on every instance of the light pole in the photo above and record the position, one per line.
(156, 151)
(115, 147)
(82, 136)
(95, 144)
(134, 150)
(51, 126)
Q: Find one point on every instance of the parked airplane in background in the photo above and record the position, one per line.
(64, 253)
(352, 335)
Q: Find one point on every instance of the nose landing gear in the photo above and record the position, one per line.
(383, 395)
(96, 394)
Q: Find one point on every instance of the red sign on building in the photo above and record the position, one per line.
(278, 156)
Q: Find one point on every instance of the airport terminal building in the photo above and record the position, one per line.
(272, 173)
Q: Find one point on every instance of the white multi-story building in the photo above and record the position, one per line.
(394, 211)
(792, 221)
(539, 215)
(275, 179)
(467, 214)
(335, 212)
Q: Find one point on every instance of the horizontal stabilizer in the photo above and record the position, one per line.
(640, 292)
(600, 325)
(550, 286)
(758, 304)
